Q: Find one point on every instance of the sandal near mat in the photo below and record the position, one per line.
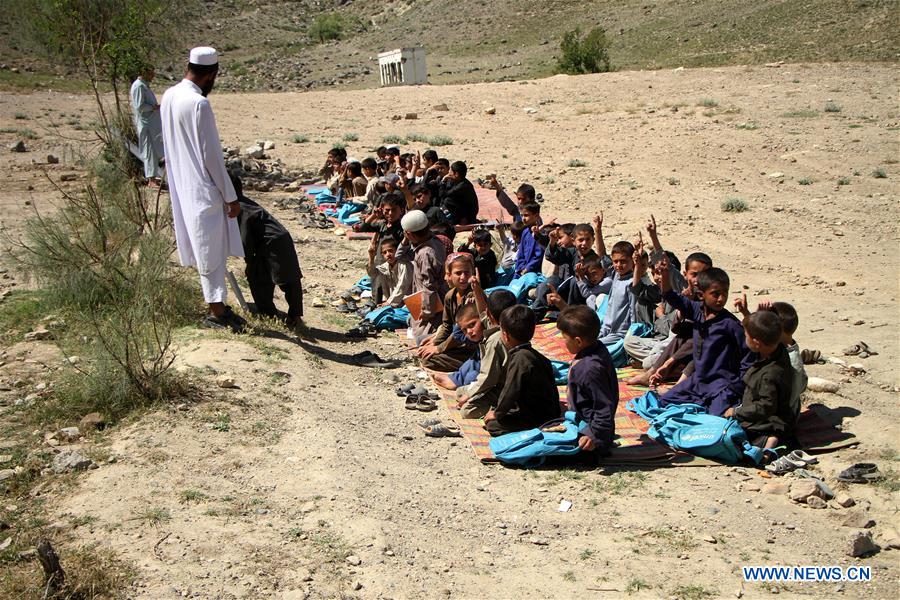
(860, 473)
(441, 430)
(426, 404)
(429, 423)
(811, 357)
(801, 456)
(404, 390)
(784, 465)
(412, 402)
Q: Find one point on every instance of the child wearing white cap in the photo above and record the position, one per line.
(427, 256)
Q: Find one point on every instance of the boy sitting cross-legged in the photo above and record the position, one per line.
(765, 411)
(593, 387)
(721, 356)
(529, 397)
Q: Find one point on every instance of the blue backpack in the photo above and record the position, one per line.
(520, 286)
(688, 427)
(530, 448)
(560, 371)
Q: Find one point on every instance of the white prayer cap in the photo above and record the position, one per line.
(414, 221)
(392, 147)
(203, 55)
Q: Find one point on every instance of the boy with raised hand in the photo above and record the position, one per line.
(477, 397)
(394, 277)
(479, 246)
(720, 354)
(593, 387)
(789, 323)
(525, 194)
(529, 397)
(566, 255)
(765, 411)
(530, 253)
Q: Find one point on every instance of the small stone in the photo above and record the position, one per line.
(39, 333)
(68, 434)
(539, 541)
(778, 488)
(411, 116)
(18, 147)
(357, 586)
(710, 539)
(776, 175)
(354, 560)
(440, 107)
(817, 384)
(6, 474)
(255, 152)
(530, 110)
(845, 500)
(92, 421)
(268, 145)
(226, 382)
(5, 458)
(70, 460)
(318, 302)
(490, 111)
(858, 519)
(52, 160)
(861, 544)
(840, 284)
(803, 489)
(816, 502)
(68, 177)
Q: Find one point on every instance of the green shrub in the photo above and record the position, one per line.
(832, 107)
(806, 113)
(20, 116)
(299, 139)
(329, 26)
(416, 137)
(734, 205)
(394, 139)
(576, 162)
(440, 140)
(351, 137)
(843, 181)
(806, 181)
(28, 134)
(708, 103)
(879, 173)
(584, 55)
(749, 126)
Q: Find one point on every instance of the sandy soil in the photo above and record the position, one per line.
(266, 491)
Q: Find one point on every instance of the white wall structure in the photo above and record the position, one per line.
(403, 66)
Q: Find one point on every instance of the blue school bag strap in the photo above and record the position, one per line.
(600, 307)
(530, 448)
(560, 371)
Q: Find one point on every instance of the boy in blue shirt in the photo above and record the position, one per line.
(530, 253)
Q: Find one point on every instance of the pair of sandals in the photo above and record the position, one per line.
(421, 402)
(798, 459)
(860, 349)
(436, 428)
(363, 330)
(860, 473)
(811, 357)
(367, 358)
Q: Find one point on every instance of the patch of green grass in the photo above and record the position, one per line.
(748, 126)
(708, 103)
(440, 140)
(576, 163)
(805, 181)
(674, 540)
(549, 180)
(192, 496)
(805, 113)
(20, 116)
(854, 126)
(890, 482)
(619, 483)
(393, 139)
(569, 576)
(153, 516)
(332, 547)
(298, 138)
(20, 313)
(28, 134)
(586, 554)
(832, 107)
(222, 422)
(879, 173)
(211, 512)
(736, 205)
(350, 137)
(843, 181)
(636, 585)
(412, 136)
(693, 592)
(673, 181)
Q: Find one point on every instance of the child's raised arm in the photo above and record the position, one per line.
(598, 233)
(654, 234)
(640, 262)
(373, 249)
(480, 297)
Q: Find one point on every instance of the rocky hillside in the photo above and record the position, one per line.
(267, 43)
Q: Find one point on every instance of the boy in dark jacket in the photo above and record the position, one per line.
(593, 387)
(270, 258)
(765, 411)
(458, 197)
(529, 397)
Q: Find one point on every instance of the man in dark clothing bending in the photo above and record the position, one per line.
(271, 259)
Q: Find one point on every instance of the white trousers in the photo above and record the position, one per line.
(213, 285)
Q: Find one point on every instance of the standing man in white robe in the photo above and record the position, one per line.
(204, 203)
(147, 125)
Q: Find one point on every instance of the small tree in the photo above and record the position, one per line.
(329, 26)
(587, 55)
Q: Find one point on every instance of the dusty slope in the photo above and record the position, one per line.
(309, 468)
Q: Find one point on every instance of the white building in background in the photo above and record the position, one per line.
(403, 66)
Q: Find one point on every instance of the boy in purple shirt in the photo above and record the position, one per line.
(593, 387)
(530, 253)
(721, 356)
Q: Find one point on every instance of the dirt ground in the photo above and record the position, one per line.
(312, 480)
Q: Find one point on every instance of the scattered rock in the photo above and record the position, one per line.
(357, 586)
(92, 421)
(5, 458)
(858, 519)
(224, 381)
(776, 175)
(68, 434)
(490, 111)
(845, 500)
(778, 488)
(530, 110)
(18, 147)
(254, 152)
(411, 116)
(318, 302)
(710, 539)
(539, 541)
(68, 177)
(39, 333)
(816, 502)
(817, 384)
(804, 489)
(861, 544)
(268, 145)
(354, 560)
(6, 474)
(70, 460)
(52, 160)
(890, 539)
(440, 107)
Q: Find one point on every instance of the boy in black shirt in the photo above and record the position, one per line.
(485, 259)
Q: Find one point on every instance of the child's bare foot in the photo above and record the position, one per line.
(641, 379)
(444, 381)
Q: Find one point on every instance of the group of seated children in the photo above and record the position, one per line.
(627, 305)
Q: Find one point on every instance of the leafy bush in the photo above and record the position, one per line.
(28, 134)
(734, 205)
(832, 107)
(749, 126)
(708, 103)
(440, 140)
(576, 162)
(806, 181)
(879, 173)
(412, 136)
(584, 55)
(299, 139)
(843, 181)
(350, 137)
(329, 26)
(394, 139)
